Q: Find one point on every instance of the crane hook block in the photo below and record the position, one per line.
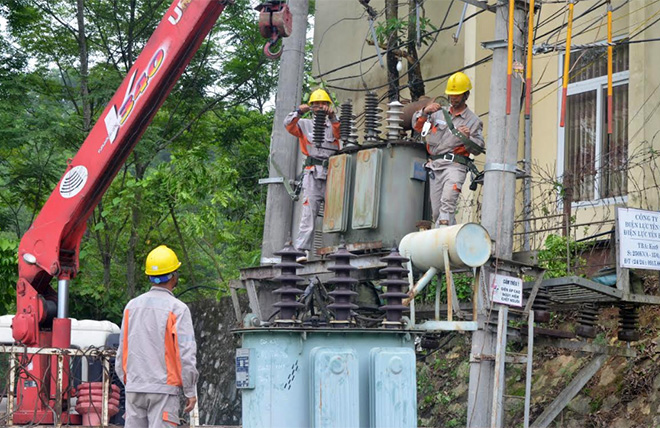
(275, 22)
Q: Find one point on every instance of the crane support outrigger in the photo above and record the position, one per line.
(50, 248)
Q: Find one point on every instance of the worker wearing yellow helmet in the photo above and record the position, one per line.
(156, 358)
(451, 137)
(316, 161)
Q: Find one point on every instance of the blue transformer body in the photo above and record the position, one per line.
(322, 378)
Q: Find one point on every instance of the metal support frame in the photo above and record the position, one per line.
(253, 298)
(497, 412)
(61, 354)
(573, 388)
(528, 371)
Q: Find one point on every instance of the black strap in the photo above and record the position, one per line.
(471, 145)
(463, 160)
(310, 161)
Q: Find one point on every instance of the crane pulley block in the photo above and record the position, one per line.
(275, 22)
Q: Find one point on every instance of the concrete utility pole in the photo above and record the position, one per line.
(283, 146)
(498, 197)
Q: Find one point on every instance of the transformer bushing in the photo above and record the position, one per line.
(587, 321)
(343, 282)
(371, 118)
(288, 279)
(347, 130)
(541, 305)
(394, 283)
(628, 317)
(394, 120)
(319, 127)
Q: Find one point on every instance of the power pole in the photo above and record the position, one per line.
(283, 146)
(498, 197)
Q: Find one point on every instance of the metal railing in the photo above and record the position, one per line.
(16, 351)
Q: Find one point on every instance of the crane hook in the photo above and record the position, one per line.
(275, 22)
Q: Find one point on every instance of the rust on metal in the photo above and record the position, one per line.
(335, 215)
(355, 247)
(366, 199)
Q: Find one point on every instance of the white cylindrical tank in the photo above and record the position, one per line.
(468, 244)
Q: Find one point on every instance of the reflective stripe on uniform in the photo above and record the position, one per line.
(172, 354)
(124, 357)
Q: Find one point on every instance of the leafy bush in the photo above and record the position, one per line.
(8, 274)
(561, 257)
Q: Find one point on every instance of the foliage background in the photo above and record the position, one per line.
(192, 181)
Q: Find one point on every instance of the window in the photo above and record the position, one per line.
(594, 162)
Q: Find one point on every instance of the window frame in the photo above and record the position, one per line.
(598, 84)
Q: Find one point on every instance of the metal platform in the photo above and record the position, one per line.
(575, 289)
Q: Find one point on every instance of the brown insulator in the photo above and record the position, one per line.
(587, 321)
(371, 118)
(343, 283)
(628, 318)
(541, 305)
(346, 124)
(319, 127)
(394, 284)
(288, 279)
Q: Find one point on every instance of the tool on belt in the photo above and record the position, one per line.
(310, 161)
(476, 175)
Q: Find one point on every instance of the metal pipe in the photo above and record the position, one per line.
(450, 286)
(610, 53)
(530, 48)
(527, 181)
(567, 60)
(460, 24)
(509, 65)
(469, 245)
(528, 378)
(432, 325)
(373, 35)
(63, 298)
(421, 284)
(106, 391)
(418, 25)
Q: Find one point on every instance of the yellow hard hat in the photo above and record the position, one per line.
(160, 261)
(320, 95)
(458, 84)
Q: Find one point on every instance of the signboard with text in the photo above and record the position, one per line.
(639, 238)
(507, 290)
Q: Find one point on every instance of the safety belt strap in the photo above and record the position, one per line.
(471, 145)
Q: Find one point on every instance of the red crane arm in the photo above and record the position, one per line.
(51, 245)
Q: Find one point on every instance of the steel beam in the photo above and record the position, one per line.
(573, 388)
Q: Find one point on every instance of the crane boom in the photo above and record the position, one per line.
(50, 247)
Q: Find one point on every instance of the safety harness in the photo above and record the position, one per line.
(463, 160)
(310, 161)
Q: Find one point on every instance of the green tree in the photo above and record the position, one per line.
(192, 180)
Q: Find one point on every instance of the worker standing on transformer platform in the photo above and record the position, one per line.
(451, 137)
(316, 161)
(156, 359)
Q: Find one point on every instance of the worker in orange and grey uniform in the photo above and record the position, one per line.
(316, 161)
(451, 137)
(156, 359)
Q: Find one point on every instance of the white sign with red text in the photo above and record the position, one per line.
(507, 290)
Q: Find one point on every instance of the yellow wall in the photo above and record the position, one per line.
(339, 38)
